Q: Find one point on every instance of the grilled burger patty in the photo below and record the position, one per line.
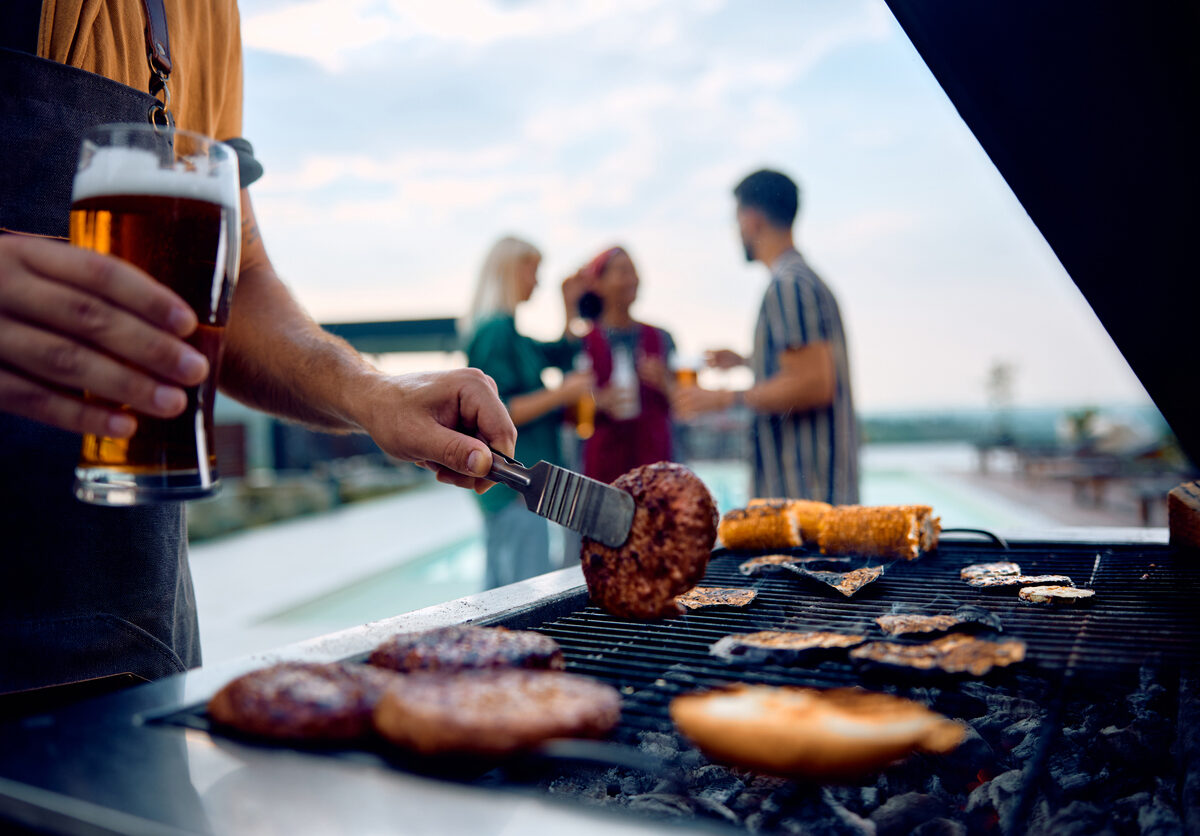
(468, 648)
(302, 701)
(493, 712)
(674, 528)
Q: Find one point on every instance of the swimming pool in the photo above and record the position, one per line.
(927, 474)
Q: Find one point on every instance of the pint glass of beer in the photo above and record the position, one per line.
(168, 202)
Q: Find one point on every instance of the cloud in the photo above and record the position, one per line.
(330, 32)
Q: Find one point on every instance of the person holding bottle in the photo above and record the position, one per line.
(518, 541)
(629, 360)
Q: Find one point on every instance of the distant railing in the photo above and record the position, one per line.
(398, 335)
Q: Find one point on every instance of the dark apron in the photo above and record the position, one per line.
(85, 591)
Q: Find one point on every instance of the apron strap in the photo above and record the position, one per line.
(158, 55)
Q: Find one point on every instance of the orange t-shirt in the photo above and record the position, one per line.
(108, 38)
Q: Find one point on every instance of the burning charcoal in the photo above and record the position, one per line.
(1158, 818)
(716, 783)
(717, 810)
(995, 799)
(965, 617)
(901, 814)
(972, 757)
(846, 583)
(1078, 818)
(940, 827)
(662, 804)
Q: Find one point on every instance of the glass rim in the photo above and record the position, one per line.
(144, 128)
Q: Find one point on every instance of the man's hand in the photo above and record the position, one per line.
(723, 358)
(443, 421)
(691, 401)
(71, 320)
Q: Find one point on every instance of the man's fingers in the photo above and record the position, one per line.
(450, 477)
(84, 316)
(46, 356)
(108, 277)
(29, 400)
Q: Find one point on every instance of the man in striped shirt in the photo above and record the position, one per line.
(805, 432)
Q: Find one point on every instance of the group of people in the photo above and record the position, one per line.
(805, 438)
(89, 592)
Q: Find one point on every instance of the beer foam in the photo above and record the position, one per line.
(129, 171)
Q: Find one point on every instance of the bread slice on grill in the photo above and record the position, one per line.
(804, 732)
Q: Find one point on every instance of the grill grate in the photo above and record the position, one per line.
(1144, 613)
(1143, 616)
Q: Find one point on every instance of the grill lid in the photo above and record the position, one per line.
(1087, 109)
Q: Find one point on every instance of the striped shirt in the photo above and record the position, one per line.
(812, 454)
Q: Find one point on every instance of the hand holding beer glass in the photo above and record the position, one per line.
(168, 202)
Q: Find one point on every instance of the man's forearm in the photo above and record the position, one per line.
(278, 360)
(807, 381)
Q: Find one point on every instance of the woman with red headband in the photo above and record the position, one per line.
(629, 360)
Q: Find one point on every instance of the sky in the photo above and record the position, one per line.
(401, 138)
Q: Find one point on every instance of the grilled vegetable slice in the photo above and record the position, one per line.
(987, 570)
(1055, 595)
(905, 624)
(955, 653)
(781, 646)
(1016, 581)
(715, 596)
(772, 562)
(846, 583)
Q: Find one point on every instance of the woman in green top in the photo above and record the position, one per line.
(518, 543)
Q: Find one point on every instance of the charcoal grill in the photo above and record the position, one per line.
(1142, 627)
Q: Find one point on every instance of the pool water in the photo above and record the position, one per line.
(891, 475)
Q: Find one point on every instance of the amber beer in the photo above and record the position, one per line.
(177, 219)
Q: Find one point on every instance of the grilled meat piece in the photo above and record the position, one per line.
(955, 653)
(674, 528)
(988, 570)
(1003, 582)
(772, 562)
(468, 648)
(803, 732)
(715, 596)
(1055, 595)
(846, 583)
(760, 527)
(891, 531)
(904, 624)
(493, 712)
(807, 512)
(781, 646)
(302, 701)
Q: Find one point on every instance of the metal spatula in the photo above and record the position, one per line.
(592, 508)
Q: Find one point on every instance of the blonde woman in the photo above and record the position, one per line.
(518, 544)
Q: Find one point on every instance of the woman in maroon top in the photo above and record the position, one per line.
(630, 362)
